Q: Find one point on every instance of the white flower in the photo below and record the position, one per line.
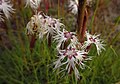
(73, 5)
(52, 25)
(70, 58)
(6, 7)
(94, 39)
(34, 26)
(34, 4)
(63, 36)
(41, 24)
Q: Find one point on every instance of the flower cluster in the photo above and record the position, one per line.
(6, 9)
(75, 53)
(72, 54)
(41, 25)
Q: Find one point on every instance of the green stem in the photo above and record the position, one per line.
(93, 18)
(34, 70)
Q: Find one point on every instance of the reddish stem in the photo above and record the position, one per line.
(49, 40)
(46, 5)
(84, 26)
(32, 42)
(81, 19)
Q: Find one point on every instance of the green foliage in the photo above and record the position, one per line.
(18, 65)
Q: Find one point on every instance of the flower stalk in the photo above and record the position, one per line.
(84, 25)
(82, 19)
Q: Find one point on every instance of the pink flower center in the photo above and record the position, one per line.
(70, 53)
(68, 35)
(92, 39)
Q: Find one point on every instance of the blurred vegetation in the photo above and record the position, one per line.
(19, 66)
